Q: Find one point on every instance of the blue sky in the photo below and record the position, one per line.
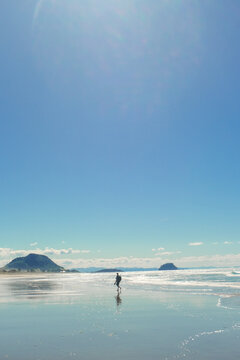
(119, 131)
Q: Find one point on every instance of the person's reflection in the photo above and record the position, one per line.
(118, 300)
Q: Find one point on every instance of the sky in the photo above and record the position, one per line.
(119, 132)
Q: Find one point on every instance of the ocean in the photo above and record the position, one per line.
(164, 315)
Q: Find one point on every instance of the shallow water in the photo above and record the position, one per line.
(188, 314)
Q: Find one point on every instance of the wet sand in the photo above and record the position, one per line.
(65, 316)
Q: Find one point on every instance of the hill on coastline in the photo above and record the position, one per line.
(32, 263)
(168, 266)
(108, 270)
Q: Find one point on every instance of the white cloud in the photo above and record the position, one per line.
(37, 10)
(228, 242)
(210, 260)
(159, 249)
(71, 258)
(188, 261)
(164, 253)
(33, 244)
(195, 243)
(6, 252)
(124, 261)
(69, 251)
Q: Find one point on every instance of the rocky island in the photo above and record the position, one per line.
(168, 266)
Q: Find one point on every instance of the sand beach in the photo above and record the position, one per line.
(82, 316)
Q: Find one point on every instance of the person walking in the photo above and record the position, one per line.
(117, 281)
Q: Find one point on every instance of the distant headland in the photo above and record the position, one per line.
(33, 263)
(108, 270)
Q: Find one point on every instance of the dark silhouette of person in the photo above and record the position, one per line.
(117, 281)
(118, 299)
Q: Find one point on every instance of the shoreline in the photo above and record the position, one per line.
(84, 317)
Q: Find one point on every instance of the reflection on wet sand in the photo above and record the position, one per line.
(49, 288)
(30, 288)
(118, 299)
(24, 287)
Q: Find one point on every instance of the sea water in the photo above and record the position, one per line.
(166, 315)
